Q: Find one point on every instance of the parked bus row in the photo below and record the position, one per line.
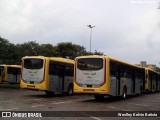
(103, 75)
(10, 73)
(97, 75)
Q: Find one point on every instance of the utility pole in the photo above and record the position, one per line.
(90, 34)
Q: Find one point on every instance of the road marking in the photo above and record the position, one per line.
(84, 99)
(151, 101)
(136, 104)
(37, 105)
(5, 101)
(95, 118)
(117, 108)
(34, 99)
(38, 99)
(62, 102)
(8, 109)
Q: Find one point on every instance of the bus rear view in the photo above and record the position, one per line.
(54, 75)
(90, 75)
(32, 73)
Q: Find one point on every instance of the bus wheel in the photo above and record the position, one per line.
(70, 89)
(124, 93)
(98, 96)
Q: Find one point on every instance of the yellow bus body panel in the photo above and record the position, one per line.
(41, 86)
(100, 90)
(5, 78)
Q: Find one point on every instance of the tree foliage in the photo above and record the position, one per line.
(7, 52)
(12, 54)
(70, 50)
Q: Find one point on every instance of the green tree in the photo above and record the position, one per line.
(67, 49)
(47, 50)
(30, 48)
(12, 54)
(7, 52)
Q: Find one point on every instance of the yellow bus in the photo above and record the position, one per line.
(152, 83)
(10, 73)
(49, 74)
(104, 75)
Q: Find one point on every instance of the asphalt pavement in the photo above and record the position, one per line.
(26, 104)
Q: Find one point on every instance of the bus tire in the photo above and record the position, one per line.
(124, 94)
(98, 96)
(70, 89)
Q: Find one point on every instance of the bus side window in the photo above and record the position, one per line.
(125, 71)
(112, 72)
(122, 71)
(113, 69)
(122, 74)
(69, 71)
(128, 73)
(53, 68)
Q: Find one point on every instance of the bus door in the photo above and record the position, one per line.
(118, 80)
(133, 81)
(14, 76)
(18, 75)
(114, 78)
(150, 81)
(10, 74)
(61, 78)
(157, 83)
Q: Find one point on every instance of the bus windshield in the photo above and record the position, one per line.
(33, 63)
(90, 63)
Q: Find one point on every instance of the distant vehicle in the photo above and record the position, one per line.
(152, 83)
(49, 74)
(104, 75)
(10, 73)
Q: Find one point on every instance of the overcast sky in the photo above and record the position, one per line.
(126, 29)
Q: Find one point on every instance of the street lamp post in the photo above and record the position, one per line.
(90, 34)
